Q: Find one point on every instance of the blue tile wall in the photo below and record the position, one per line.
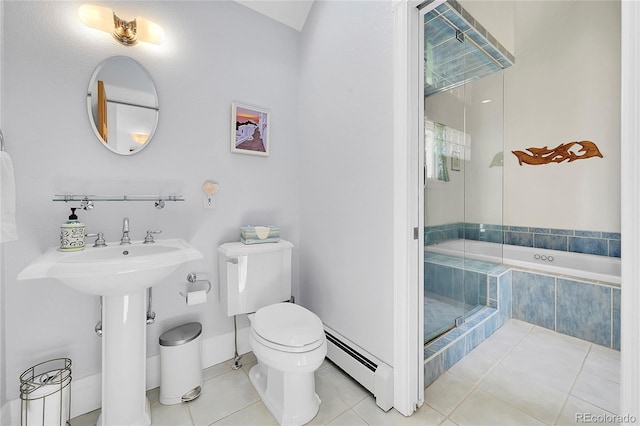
(587, 310)
(589, 242)
(534, 298)
(584, 311)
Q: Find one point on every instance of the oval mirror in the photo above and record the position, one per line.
(123, 105)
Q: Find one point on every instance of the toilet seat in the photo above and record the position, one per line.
(287, 327)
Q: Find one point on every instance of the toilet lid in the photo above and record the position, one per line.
(288, 324)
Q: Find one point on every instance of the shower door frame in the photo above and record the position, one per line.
(408, 219)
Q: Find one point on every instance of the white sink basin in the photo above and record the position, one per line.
(115, 269)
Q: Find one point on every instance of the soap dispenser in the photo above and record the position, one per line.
(72, 233)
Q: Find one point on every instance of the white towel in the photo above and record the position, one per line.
(8, 231)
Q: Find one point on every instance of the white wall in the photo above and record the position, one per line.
(565, 87)
(215, 53)
(3, 375)
(346, 114)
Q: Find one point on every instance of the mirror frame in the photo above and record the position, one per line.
(90, 103)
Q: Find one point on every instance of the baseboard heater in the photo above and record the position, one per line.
(370, 372)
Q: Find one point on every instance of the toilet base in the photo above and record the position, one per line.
(290, 397)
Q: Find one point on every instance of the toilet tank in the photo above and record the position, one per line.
(254, 275)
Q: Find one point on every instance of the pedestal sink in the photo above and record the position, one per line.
(120, 274)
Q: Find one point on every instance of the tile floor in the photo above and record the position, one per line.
(522, 375)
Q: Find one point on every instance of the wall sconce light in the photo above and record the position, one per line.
(209, 188)
(139, 138)
(126, 32)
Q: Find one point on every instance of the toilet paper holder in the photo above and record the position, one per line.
(193, 282)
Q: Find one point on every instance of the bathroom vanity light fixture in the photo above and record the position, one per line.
(125, 32)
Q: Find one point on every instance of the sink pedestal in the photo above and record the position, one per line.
(124, 360)
(121, 275)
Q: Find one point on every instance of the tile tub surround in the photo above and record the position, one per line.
(588, 242)
(445, 351)
(582, 309)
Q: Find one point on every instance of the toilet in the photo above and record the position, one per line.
(287, 339)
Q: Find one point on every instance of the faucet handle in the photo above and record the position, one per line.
(149, 238)
(100, 242)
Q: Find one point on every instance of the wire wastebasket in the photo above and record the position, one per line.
(45, 394)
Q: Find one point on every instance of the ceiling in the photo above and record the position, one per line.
(289, 12)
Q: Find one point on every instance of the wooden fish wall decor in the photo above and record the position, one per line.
(558, 154)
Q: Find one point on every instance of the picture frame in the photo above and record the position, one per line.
(455, 160)
(250, 130)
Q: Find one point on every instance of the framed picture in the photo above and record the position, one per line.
(455, 160)
(250, 129)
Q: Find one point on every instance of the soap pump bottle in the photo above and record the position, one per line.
(72, 233)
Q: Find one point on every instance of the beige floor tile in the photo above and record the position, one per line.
(475, 365)
(350, 391)
(602, 365)
(170, 415)
(578, 412)
(222, 396)
(153, 395)
(534, 398)
(255, 414)
(598, 391)
(216, 370)
(374, 416)
(612, 353)
(543, 368)
(447, 392)
(555, 346)
(348, 418)
(88, 419)
(511, 332)
(448, 422)
(483, 409)
(331, 405)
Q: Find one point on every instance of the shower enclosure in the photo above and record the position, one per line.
(463, 97)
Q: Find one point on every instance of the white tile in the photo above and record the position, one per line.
(598, 391)
(446, 392)
(255, 414)
(481, 408)
(170, 415)
(543, 368)
(448, 422)
(575, 412)
(374, 416)
(348, 418)
(222, 396)
(342, 384)
(602, 365)
(534, 398)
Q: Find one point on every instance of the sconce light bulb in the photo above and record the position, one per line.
(210, 188)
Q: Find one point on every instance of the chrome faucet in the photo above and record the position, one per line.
(125, 232)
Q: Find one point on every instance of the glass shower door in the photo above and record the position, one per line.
(463, 190)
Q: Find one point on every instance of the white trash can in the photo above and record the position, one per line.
(180, 364)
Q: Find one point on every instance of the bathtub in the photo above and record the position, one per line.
(590, 267)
